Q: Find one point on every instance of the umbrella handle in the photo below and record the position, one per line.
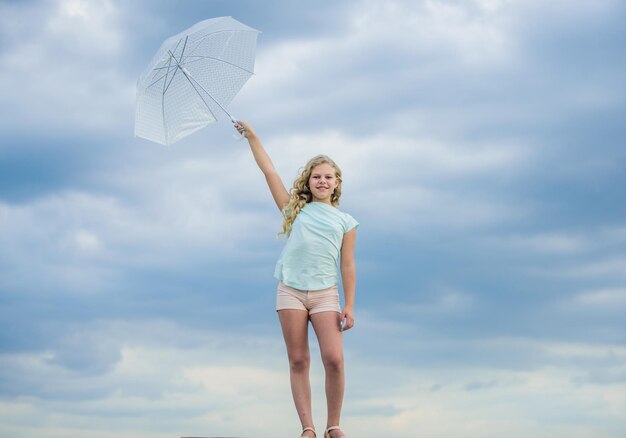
(235, 136)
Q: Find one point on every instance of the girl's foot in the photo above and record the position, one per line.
(308, 432)
(334, 432)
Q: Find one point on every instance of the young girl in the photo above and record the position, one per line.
(318, 234)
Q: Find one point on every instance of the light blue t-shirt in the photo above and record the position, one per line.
(311, 254)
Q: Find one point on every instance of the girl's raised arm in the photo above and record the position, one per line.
(279, 192)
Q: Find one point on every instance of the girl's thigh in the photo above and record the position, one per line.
(295, 326)
(328, 330)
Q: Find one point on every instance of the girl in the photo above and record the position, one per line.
(317, 235)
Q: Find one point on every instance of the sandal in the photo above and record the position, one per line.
(306, 429)
(327, 433)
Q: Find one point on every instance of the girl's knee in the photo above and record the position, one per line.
(299, 362)
(333, 361)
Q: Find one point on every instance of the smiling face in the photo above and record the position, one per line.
(323, 182)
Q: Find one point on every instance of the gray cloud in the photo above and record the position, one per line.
(481, 144)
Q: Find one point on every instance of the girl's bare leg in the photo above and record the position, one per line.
(330, 338)
(295, 325)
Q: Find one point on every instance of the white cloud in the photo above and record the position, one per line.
(398, 96)
(577, 250)
(450, 69)
(585, 351)
(91, 26)
(64, 69)
(246, 383)
(409, 209)
(82, 241)
(438, 300)
(556, 242)
(169, 379)
(607, 299)
(382, 54)
(396, 181)
(608, 268)
(400, 156)
(474, 36)
(87, 241)
(184, 203)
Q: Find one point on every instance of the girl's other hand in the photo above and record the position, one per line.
(347, 318)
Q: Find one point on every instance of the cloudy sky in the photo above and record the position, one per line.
(483, 147)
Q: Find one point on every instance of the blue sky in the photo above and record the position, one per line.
(483, 148)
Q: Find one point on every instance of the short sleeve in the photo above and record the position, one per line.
(349, 223)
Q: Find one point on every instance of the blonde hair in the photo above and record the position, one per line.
(300, 194)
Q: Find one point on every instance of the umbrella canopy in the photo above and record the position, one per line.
(192, 79)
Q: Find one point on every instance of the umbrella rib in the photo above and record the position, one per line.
(167, 87)
(193, 83)
(168, 67)
(216, 32)
(158, 79)
(161, 68)
(163, 109)
(182, 52)
(200, 57)
(172, 57)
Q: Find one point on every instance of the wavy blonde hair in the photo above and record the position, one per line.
(300, 194)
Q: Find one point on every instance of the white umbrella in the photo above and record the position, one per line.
(192, 79)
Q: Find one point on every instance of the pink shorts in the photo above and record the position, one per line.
(311, 301)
